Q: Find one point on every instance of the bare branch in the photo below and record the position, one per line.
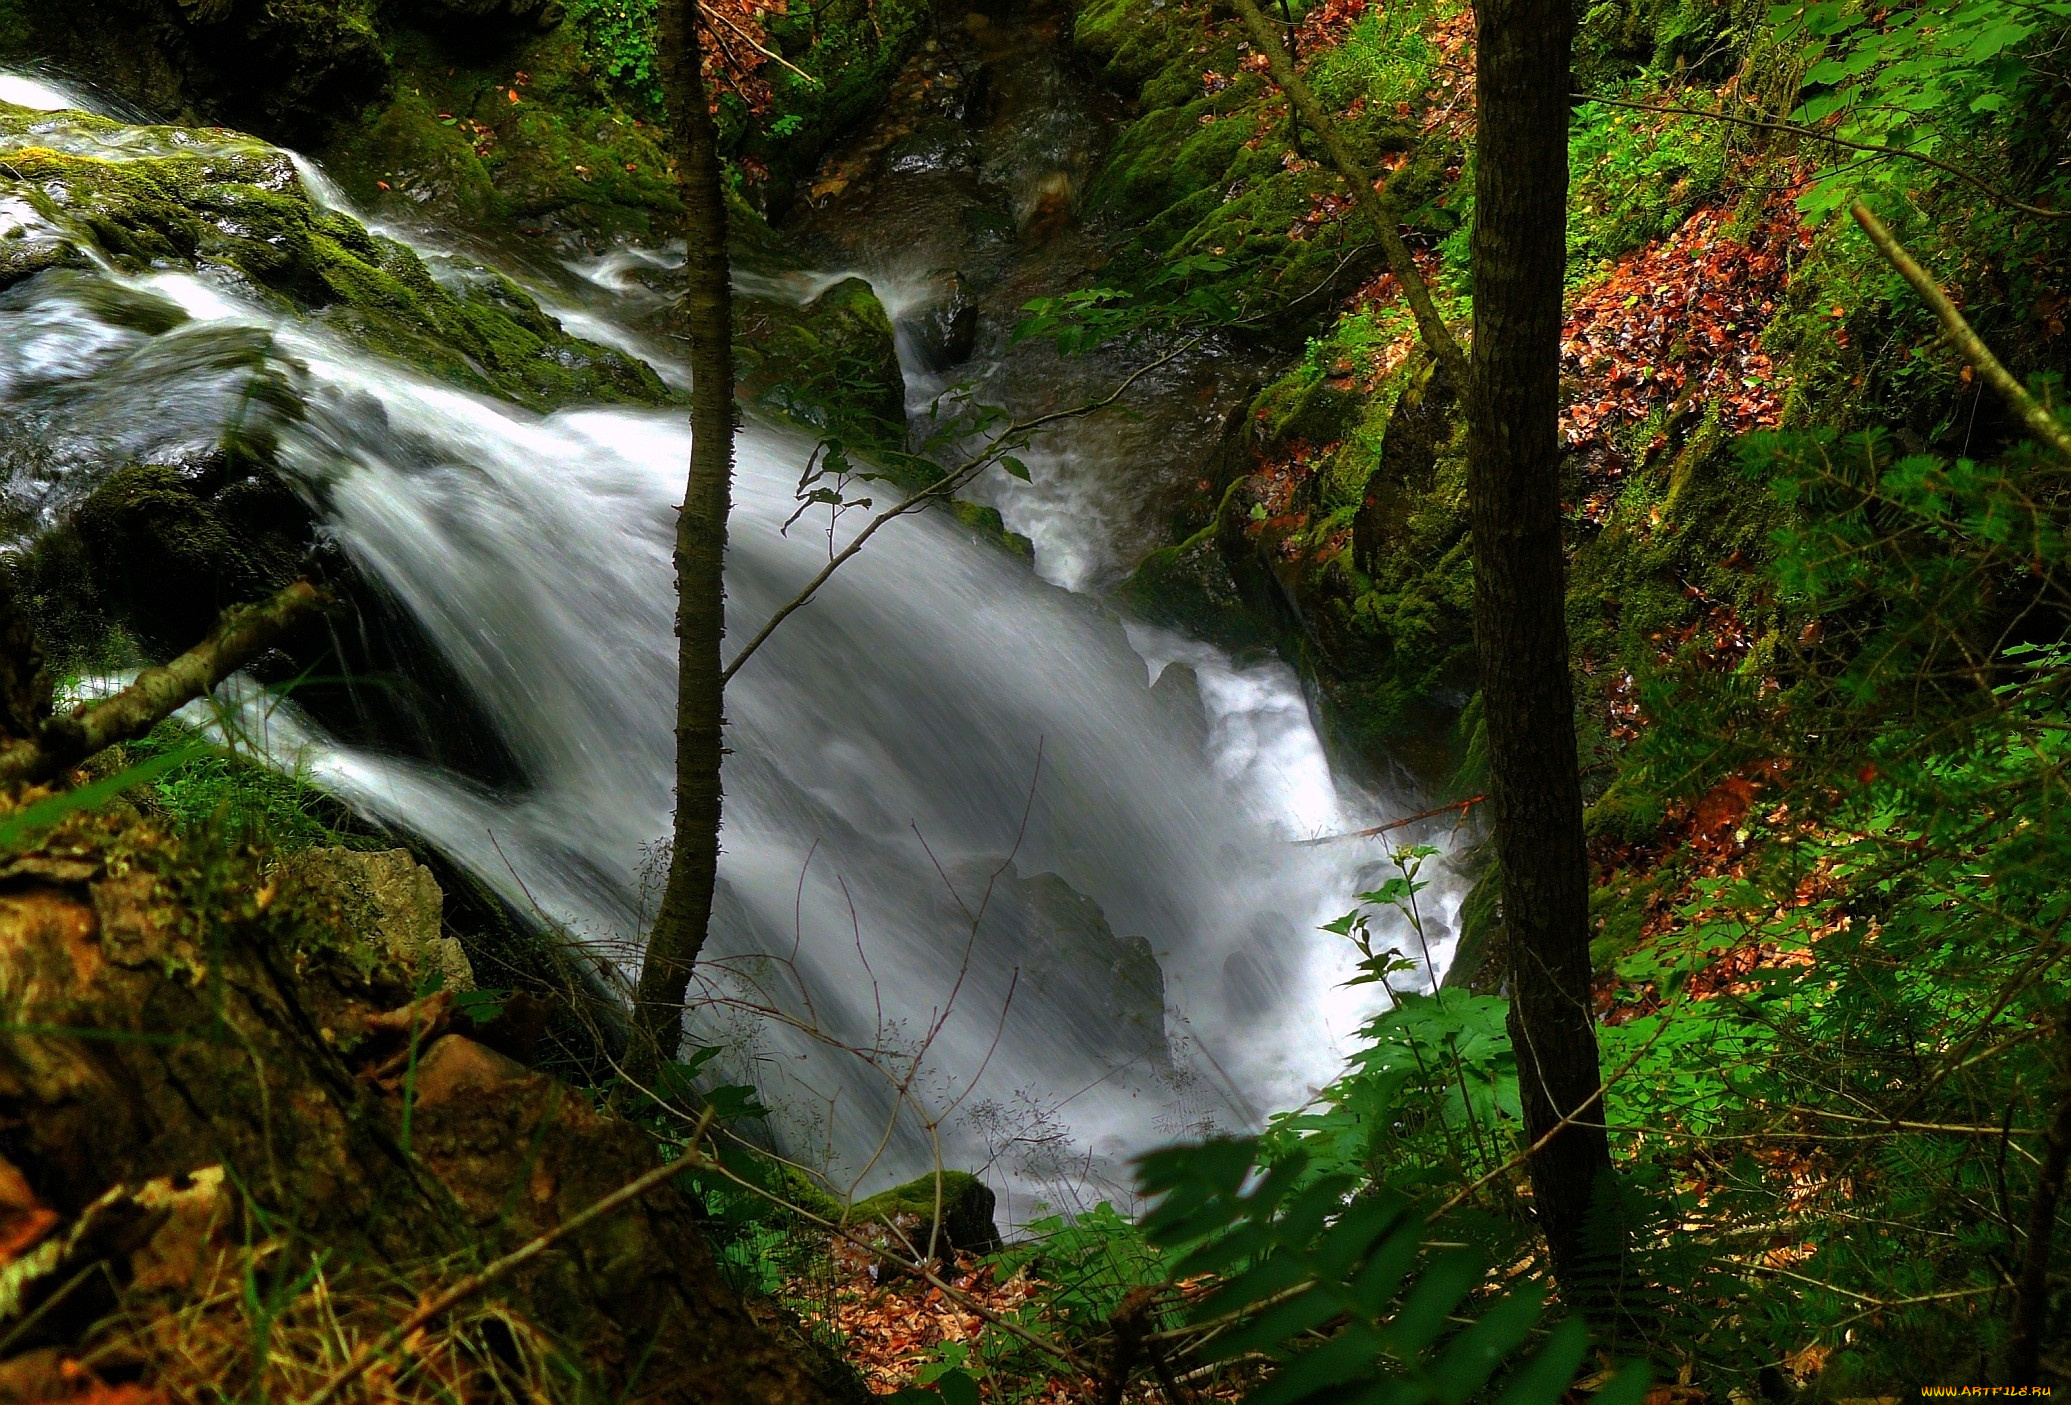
(1463, 806)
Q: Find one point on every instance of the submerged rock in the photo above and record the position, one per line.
(1104, 992)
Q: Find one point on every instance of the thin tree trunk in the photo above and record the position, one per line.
(1520, 256)
(686, 910)
(2031, 1293)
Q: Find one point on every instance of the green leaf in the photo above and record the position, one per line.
(1552, 1371)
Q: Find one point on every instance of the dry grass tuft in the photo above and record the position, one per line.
(262, 1325)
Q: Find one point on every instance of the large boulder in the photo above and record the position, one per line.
(190, 1042)
(831, 362)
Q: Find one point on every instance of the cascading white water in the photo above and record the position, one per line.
(939, 714)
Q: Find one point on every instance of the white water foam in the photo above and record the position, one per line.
(886, 742)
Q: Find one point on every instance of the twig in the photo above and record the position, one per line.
(1378, 205)
(241, 635)
(1761, 124)
(942, 487)
(2040, 421)
(1461, 805)
(749, 40)
(474, 1283)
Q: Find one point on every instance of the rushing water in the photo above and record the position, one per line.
(910, 755)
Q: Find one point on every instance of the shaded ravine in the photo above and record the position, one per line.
(938, 716)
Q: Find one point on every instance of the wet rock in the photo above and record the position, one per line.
(231, 207)
(936, 144)
(1190, 587)
(389, 901)
(169, 546)
(1046, 208)
(831, 363)
(947, 333)
(1178, 691)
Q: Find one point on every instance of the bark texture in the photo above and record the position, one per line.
(241, 635)
(686, 910)
(1520, 223)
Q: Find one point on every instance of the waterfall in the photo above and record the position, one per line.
(941, 718)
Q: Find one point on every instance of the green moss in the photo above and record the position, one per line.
(219, 201)
(831, 365)
(966, 1204)
(987, 523)
(1201, 172)
(1190, 587)
(532, 134)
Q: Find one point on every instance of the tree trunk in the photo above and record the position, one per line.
(686, 910)
(1520, 226)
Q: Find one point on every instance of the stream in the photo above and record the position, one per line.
(1007, 876)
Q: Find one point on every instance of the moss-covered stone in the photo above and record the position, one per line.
(234, 208)
(966, 1212)
(529, 134)
(169, 548)
(831, 364)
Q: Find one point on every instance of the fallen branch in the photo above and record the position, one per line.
(1377, 204)
(2037, 416)
(474, 1283)
(1463, 806)
(241, 635)
(1768, 124)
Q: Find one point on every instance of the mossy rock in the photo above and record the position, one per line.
(168, 548)
(531, 134)
(234, 207)
(831, 364)
(967, 1205)
(1189, 587)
